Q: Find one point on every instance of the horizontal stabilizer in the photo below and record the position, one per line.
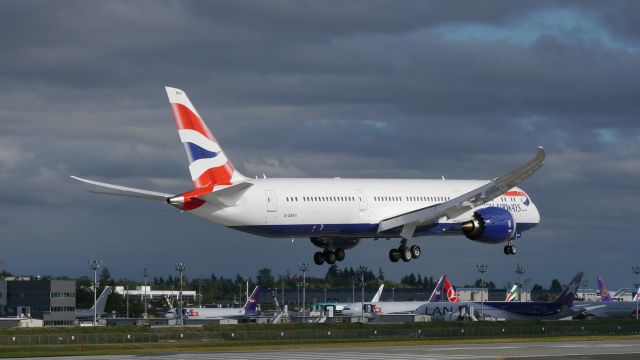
(125, 191)
(226, 195)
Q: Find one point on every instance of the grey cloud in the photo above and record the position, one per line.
(350, 89)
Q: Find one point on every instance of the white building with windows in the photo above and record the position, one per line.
(188, 296)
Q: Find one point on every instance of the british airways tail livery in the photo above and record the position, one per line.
(335, 214)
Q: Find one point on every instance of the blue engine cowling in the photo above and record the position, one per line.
(490, 225)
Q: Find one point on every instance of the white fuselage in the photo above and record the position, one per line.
(350, 208)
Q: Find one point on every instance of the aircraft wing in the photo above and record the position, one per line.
(125, 191)
(463, 203)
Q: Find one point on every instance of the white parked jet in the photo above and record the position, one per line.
(337, 213)
(249, 308)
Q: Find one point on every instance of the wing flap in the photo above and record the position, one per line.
(463, 203)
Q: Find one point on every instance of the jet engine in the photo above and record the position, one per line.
(490, 225)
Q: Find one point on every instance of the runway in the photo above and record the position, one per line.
(625, 349)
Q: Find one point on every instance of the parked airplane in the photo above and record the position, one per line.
(607, 308)
(249, 308)
(337, 213)
(101, 302)
(338, 307)
(392, 307)
(508, 310)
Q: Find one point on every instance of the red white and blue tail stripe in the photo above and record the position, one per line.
(208, 164)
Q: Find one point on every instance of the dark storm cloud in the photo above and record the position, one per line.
(462, 89)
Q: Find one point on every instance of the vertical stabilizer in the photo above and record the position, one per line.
(451, 292)
(252, 303)
(436, 294)
(602, 288)
(376, 297)
(512, 293)
(569, 292)
(208, 165)
(101, 302)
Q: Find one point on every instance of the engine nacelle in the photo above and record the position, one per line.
(333, 243)
(490, 225)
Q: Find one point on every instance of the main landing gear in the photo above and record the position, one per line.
(328, 256)
(510, 249)
(405, 252)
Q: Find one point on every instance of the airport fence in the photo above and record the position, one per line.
(369, 333)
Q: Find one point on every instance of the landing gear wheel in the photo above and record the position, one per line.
(394, 255)
(405, 253)
(513, 250)
(415, 251)
(507, 250)
(329, 257)
(339, 254)
(318, 258)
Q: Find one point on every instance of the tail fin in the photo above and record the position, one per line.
(436, 295)
(512, 293)
(451, 292)
(636, 298)
(208, 164)
(101, 302)
(376, 297)
(604, 293)
(252, 303)
(569, 292)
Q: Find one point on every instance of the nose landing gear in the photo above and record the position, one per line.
(510, 249)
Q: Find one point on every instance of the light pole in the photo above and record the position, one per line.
(304, 267)
(520, 271)
(362, 270)
(95, 265)
(298, 294)
(325, 293)
(636, 270)
(524, 286)
(482, 269)
(180, 268)
(145, 272)
(353, 289)
(393, 294)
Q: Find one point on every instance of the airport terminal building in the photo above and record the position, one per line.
(53, 301)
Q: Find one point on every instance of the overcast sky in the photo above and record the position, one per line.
(387, 89)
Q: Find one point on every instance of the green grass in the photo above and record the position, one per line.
(131, 349)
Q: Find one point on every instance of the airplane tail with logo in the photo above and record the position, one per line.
(451, 292)
(512, 293)
(569, 291)
(436, 295)
(251, 306)
(636, 298)
(208, 165)
(604, 293)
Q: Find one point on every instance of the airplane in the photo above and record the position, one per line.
(101, 302)
(635, 297)
(560, 308)
(249, 308)
(336, 214)
(607, 307)
(511, 295)
(392, 307)
(338, 307)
